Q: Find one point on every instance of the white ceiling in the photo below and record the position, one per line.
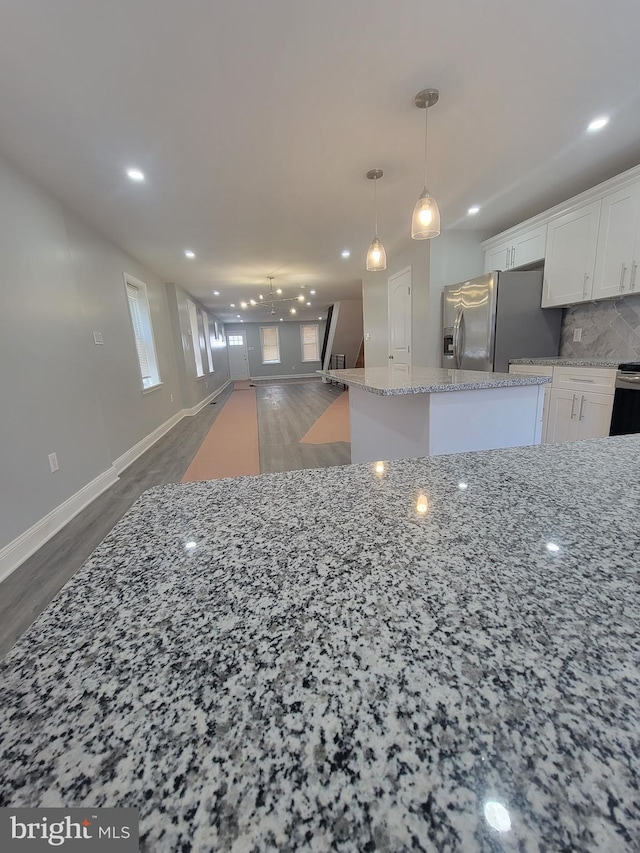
(256, 121)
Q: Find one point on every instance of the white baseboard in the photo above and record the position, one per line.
(187, 413)
(148, 441)
(285, 376)
(16, 552)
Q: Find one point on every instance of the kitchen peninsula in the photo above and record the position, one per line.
(434, 654)
(435, 411)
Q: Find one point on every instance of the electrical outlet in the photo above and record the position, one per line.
(577, 334)
(98, 339)
(53, 462)
(367, 337)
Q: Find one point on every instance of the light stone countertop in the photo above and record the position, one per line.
(559, 361)
(385, 381)
(306, 661)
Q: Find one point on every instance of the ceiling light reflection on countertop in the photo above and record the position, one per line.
(422, 504)
(189, 546)
(379, 468)
(497, 816)
(552, 547)
(463, 486)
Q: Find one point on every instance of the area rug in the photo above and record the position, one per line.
(230, 448)
(332, 425)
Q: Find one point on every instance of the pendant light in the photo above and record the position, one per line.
(426, 215)
(376, 256)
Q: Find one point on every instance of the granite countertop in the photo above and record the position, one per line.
(307, 661)
(385, 381)
(559, 361)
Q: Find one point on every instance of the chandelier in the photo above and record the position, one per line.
(272, 299)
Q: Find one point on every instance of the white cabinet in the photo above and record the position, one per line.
(618, 251)
(520, 250)
(571, 256)
(498, 258)
(580, 404)
(538, 370)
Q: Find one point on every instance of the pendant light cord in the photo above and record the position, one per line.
(375, 203)
(426, 125)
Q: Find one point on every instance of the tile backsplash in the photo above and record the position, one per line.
(609, 328)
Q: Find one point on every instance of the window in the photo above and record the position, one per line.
(270, 344)
(236, 341)
(195, 337)
(207, 340)
(142, 331)
(309, 343)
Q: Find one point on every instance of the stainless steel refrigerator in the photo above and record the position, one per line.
(496, 317)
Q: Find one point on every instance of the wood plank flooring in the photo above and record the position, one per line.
(286, 410)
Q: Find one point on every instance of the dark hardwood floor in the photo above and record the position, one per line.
(286, 410)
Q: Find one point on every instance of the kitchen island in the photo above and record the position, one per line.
(433, 411)
(434, 654)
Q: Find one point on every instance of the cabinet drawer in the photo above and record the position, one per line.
(532, 369)
(585, 379)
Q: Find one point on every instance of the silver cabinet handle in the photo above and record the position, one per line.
(634, 270)
(506, 263)
(622, 275)
(584, 285)
(573, 406)
(581, 415)
(513, 257)
(390, 356)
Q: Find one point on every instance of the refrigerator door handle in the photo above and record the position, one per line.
(456, 338)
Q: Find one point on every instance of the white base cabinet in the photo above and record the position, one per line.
(538, 370)
(576, 415)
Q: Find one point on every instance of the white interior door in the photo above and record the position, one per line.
(400, 321)
(238, 360)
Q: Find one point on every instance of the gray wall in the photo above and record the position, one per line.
(291, 363)
(610, 328)
(59, 282)
(194, 388)
(349, 330)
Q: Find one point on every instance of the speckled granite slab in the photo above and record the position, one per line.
(428, 380)
(435, 655)
(569, 362)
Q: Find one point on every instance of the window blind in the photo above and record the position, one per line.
(309, 335)
(138, 332)
(195, 338)
(270, 345)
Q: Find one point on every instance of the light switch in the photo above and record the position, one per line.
(98, 339)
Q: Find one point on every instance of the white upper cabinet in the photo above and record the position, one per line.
(529, 246)
(571, 256)
(618, 250)
(499, 257)
(522, 249)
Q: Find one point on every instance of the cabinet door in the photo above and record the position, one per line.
(562, 422)
(571, 256)
(498, 258)
(594, 415)
(614, 257)
(530, 246)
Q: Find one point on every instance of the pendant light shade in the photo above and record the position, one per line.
(425, 222)
(376, 256)
(426, 217)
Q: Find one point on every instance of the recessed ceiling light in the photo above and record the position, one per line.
(188, 253)
(292, 310)
(238, 316)
(300, 298)
(319, 318)
(312, 292)
(233, 305)
(308, 303)
(261, 296)
(473, 210)
(281, 319)
(598, 123)
(279, 291)
(135, 174)
(216, 293)
(346, 253)
(243, 304)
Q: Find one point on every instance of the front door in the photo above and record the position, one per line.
(400, 321)
(238, 361)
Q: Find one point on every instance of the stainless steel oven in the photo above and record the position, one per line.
(626, 403)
